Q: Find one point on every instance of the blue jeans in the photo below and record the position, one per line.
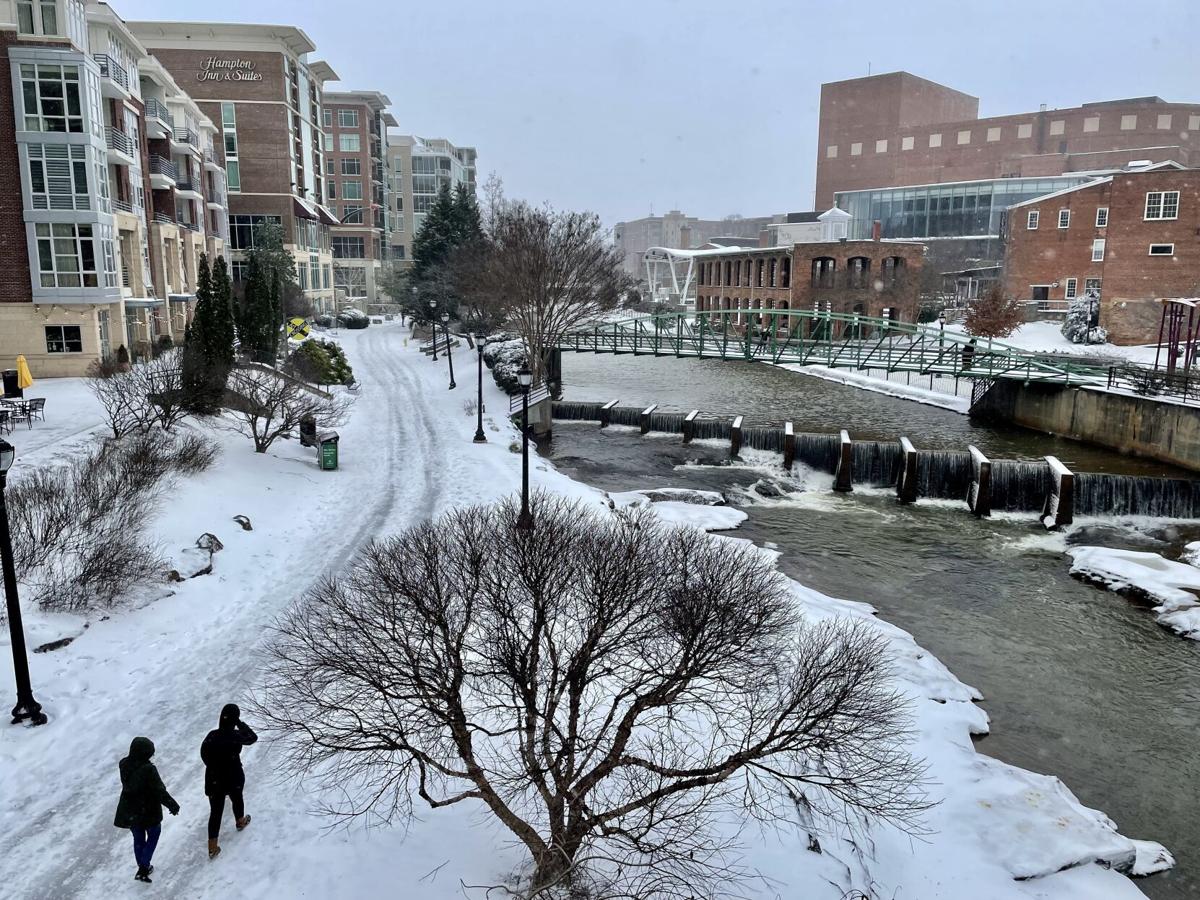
(144, 842)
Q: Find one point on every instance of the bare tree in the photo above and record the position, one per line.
(608, 688)
(160, 381)
(549, 271)
(269, 404)
(126, 407)
(994, 315)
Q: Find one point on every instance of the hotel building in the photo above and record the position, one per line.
(419, 168)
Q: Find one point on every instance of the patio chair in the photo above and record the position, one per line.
(37, 407)
(5, 420)
(18, 411)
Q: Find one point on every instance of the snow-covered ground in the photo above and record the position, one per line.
(164, 670)
(1047, 337)
(1174, 587)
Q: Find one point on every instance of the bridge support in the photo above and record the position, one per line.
(606, 413)
(645, 417)
(1059, 508)
(735, 437)
(789, 446)
(689, 426)
(906, 481)
(843, 471)
(979, 494)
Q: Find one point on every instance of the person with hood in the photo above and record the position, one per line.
(143, 796)
(223, 775)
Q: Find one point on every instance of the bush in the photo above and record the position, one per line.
(79, 530)
(321, 362)
(269, 405)
(353, 318)
(505, 357)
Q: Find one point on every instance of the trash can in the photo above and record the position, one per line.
(11, 388)
(327, 450)
(308, 431)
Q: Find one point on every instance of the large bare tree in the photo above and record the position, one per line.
(608, 688)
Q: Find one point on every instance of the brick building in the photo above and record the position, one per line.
(1131, 236)
(258, 84)
(356, 177)
(897, 129)
(850, 276)
(109, 191)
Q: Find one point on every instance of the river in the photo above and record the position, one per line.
(1079, 682)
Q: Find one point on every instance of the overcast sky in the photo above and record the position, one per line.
(628, 106)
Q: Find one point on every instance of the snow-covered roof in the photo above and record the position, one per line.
(833, 214)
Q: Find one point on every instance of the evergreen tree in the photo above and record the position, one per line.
(224, 332)
(436, 236)
(257, 319)
(468, 224)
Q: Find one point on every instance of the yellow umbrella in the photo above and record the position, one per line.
(24, 378)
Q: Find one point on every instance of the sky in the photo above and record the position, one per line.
(627, 108)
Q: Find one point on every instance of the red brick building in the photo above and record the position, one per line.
(1132, 237)
(897, 129)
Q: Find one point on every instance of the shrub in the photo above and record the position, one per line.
(321, 362)
(353, 318)
(269, 405)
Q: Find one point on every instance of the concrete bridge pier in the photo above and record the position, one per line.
(979, 494)
(843, 472)
(1059, 508)
(906, 481)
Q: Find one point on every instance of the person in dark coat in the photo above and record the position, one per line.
(143, 796)
(223, 775)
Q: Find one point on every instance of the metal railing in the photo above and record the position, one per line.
(112, 70)
(118, 140)
(186, 136)
(163, 219)
(537, 393)
(185, 185)
(122, 205)
(161, 166)
(156, 110)
(1180, 385)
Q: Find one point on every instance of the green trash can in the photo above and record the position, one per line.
(327, 450)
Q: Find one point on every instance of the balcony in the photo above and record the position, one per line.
(122, 205)
(120, 145)
(216, 198)
(163, 219)
(210, 160)
(159, 121)
(163, 173)
(114, 80)
(187, 186)
(184, 139)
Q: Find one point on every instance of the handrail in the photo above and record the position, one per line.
(112, 70)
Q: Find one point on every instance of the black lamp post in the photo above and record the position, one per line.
(27, 707)
(433, 318)
(525, 379)
(449, 358)
(480, 437)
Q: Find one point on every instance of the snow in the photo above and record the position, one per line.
(884, 386)
(1173, 586)
(163, 666)
(690, 512)
(1047, 337)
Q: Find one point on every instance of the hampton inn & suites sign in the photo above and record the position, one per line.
(219, 68)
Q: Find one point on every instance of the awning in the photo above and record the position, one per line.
(304, 209)
(181, 298)
(143, 302)
(326, 215)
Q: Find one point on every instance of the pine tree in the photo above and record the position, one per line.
(436, 237)
(468, 225)
(255, 326)
(224, 333)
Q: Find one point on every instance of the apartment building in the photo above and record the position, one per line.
(102, 254)
(419, 168)
(1131, 238)
(896, 129)
(259, 86)
(356, 175)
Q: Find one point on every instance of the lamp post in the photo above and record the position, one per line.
(433, 318)
(449, 358)
(525, 379)
(480, 437)
(27, 707)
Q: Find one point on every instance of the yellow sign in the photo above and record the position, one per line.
(297, 329)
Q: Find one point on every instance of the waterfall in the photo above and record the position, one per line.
(575, 411)
(818, 451)
(1019, 486)
(943, 473)
(763, 437)
(625, 415)
(1098, 494)
(708, 429)
(875, 463)
(672, 423)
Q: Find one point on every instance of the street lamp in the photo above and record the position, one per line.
(449, 358)
(480, 437)
(525, 379)
(27, 707)
(433, 317)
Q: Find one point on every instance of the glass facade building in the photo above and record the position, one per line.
(951, 210)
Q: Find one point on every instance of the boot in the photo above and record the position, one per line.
(242, 823)
(143, 874)
(213, 849)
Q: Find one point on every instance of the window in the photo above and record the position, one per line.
(1064, 218)
(351, 166)
(1102, 217)
(964, 137)
(1162, 249)
(1072, 288)
(239, 269)
(1193, 123)
(352, 215)
(424, 165)
(51, 97)
(347, 118)
(1024, 131)
(1098, 250)
(58, 176)
(908, 143)
(856, 149)
(243, 227)
(1091, 286)
(1031, 222)
(935, 140)
(352, 190)
(1058, 126)
(349, 143)
(1164, 122)
(66, 255)
(64, 339)
(830, 153)
(425, 184)
(37, 17)
(421, 204)
(1162, 205)
(233, 176)
(881, 146)
(331, 190)
(1091, 123)
(993, 134)
(348, 248)
(233, 170)
(327, 118)
(1128, 123)
(327, 143)
(329, 165)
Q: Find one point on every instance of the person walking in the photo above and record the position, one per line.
(223, 774)
(143, 796)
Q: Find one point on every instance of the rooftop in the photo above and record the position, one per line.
(230, 34)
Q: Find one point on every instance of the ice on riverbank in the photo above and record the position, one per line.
(699, 509)
(1174, 587)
